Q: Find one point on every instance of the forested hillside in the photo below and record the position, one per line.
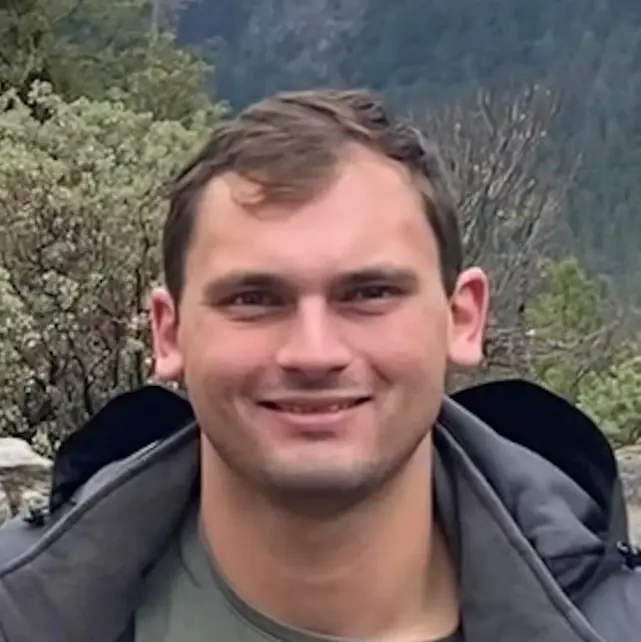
(426, 54)
(534, 104)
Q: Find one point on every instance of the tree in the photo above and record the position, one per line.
(613, 400)
(166, 81)
(424, 54)
(574, 330)
(496, 144)
(70, 43)
(80, 213)
(95, 49)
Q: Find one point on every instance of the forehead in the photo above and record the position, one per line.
(372, 212)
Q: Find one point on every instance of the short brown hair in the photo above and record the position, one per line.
(291, 144)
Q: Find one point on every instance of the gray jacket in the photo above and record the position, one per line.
(532, 506)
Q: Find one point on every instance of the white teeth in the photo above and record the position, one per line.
(304, 409)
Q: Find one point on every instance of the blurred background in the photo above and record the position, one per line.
(534, 104)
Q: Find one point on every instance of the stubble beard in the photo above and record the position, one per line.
(313, 489)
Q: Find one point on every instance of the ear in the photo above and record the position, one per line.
(469, 306)
(167, 356)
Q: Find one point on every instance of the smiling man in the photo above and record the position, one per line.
(316, 480)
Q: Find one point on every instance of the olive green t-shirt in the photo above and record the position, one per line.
(186, 600)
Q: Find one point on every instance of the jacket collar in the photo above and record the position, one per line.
(527, 534)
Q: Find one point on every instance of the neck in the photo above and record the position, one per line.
(381, 569)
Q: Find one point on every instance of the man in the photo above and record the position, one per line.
(319, 482)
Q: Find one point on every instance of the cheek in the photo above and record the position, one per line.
(215, 353)
(410, 342)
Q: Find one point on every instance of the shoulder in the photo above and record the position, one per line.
(17, 537)
(123, 428)
(613, 607)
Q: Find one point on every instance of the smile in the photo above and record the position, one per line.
(308, 407)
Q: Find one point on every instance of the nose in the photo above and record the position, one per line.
(313, 345)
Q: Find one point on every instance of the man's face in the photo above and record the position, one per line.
(314, 340)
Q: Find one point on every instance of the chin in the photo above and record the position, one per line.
(331, 482)
(324, 464)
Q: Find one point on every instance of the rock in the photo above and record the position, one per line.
(24, 478)
(5, 510)
(629, 459)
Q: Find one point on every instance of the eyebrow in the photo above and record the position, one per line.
(241, 279)
(379, 273)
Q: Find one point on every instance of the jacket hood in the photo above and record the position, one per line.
(501, 426)
(555, 473)
(546, 461)
(542, 481)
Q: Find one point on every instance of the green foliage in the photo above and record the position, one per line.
(581, 353)
(613, 400)
(568, 328)
(80, 207)
(68, 43)
(94, 49)
(570, 304)
(160, 78)
(98, 106)
(83, 156)
(430, 54)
